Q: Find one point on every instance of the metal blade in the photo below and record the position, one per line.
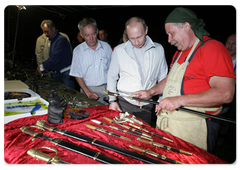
(96, 121)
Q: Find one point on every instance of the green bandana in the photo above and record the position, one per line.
(182, 15)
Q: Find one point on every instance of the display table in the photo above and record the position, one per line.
(42, 87)
(45, 85)
(17, 143)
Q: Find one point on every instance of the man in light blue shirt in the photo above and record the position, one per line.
(91, 61)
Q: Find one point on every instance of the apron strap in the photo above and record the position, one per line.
(182, 92)
(175, 57)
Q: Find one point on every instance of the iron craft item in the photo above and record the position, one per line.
(105, 131)
(147, 151)
(163, 146)
(127, 127)
(116, 128)
(45, 157)
(124, 117)
(127, 96)
(42, 123)
(72, 147)
(180, 108)
(150, 132)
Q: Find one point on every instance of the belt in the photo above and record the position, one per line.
(62, 70)
(65, 69)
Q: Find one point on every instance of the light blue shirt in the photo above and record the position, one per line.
(91, 65)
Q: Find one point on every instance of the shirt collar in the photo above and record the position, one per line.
(86, 47)
(148, 44)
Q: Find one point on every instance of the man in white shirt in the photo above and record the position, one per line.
(137, 64)
(91, 61)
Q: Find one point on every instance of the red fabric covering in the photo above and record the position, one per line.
(17, 143)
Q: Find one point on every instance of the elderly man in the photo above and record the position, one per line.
(137, 64)
(201, 78)
(91, 61)
(60, 55)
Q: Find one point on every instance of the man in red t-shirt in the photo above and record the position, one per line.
(201, 78)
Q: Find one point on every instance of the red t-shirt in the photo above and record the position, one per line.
(211, 59)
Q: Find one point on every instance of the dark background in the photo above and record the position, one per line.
(220, 23)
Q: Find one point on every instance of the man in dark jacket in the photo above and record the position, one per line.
(60, 55)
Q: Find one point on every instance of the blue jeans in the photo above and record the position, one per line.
(64, 78)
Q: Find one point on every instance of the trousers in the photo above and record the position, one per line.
(63, 78)
(99, 91)
(144, 113)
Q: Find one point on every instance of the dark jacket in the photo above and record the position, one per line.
(60, 54)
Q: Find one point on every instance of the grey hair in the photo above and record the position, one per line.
(49, 24)
(136, 19)
(179, 25)
(86, 21)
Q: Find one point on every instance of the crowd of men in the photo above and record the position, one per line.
(201, 75)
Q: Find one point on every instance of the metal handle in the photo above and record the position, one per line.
(108, 119)
(145, 141)
(91, 126)
(44, 157)
(42, 123)
(30, 132)
(137, 148)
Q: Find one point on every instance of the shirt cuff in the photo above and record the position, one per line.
(41, 67)
(111, 98)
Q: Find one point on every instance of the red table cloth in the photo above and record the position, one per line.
(17, 143)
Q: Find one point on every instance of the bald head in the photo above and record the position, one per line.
(135, 20)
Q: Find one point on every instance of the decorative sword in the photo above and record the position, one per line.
(70, 146)
(127, 96)
(150, 132)
(105, 131)
(42, 123)
(116, 128)
(180, 108)
(45, 157)
(163, 146)
(127, 127)
(147, 151)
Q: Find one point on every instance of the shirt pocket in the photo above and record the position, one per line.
(104, 63)
(104, 60)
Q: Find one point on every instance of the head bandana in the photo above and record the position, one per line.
(182, 15)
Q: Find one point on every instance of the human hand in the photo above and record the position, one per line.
(92, 95)
(158, 110)
(114, 106)
(170, 103)
(38, 70)
(142, 94)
